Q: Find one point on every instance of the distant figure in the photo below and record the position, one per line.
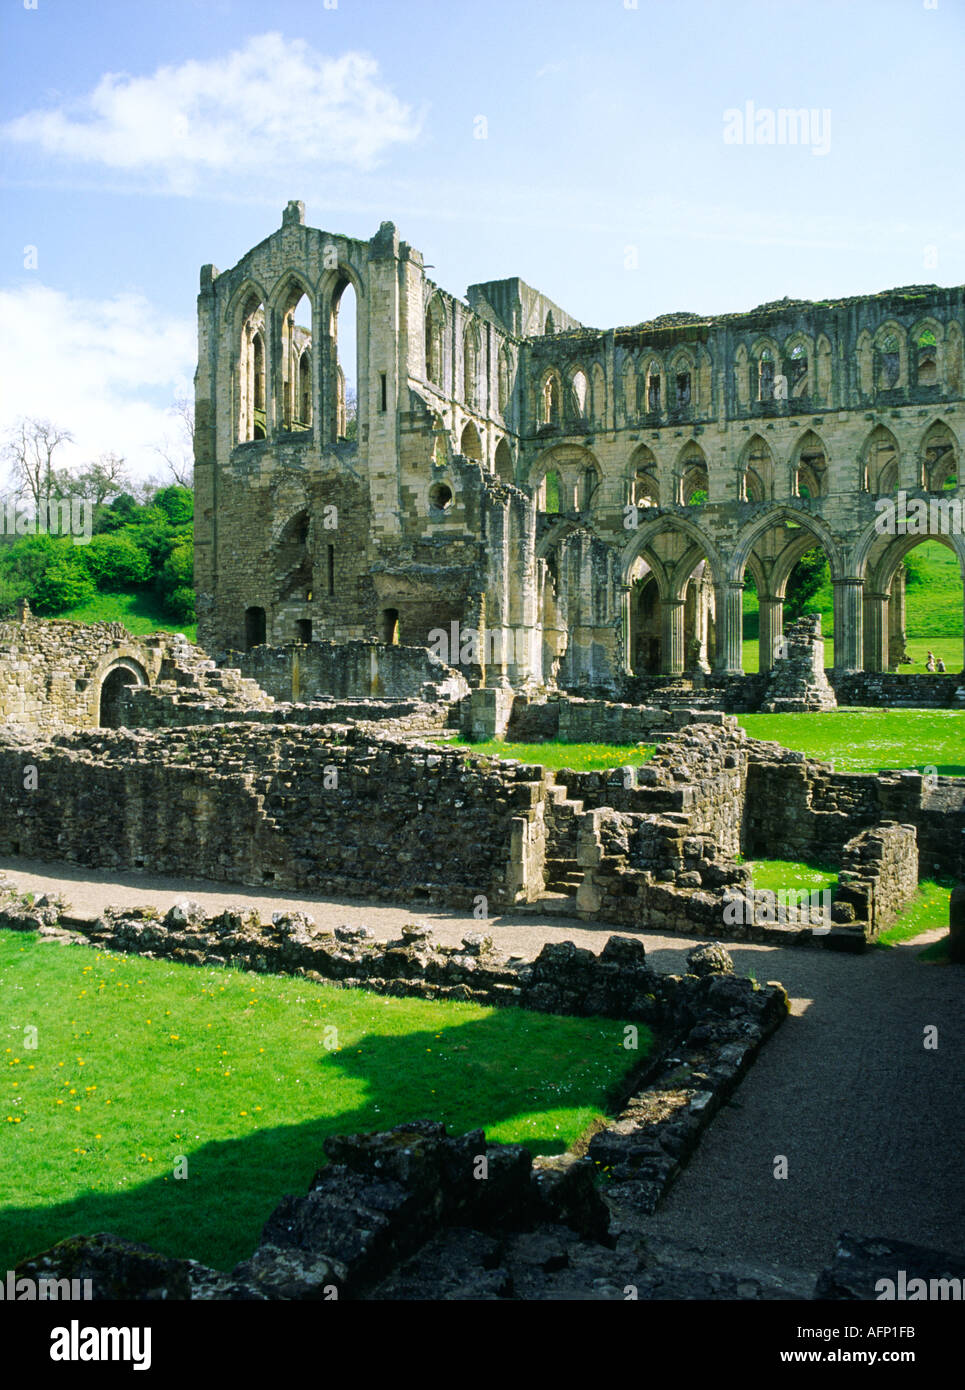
(930, 663)
(941, 665)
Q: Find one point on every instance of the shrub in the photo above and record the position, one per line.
(116, 562)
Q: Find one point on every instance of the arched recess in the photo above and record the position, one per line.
(435, 339)
(121, 673)
(879, 462)
(757, 470)
(927, 352)
(940, 458)
(742, 376)
(343, 356)
(629, 384)
(691, 473)
(890, 357)
(503, 463)
(252, 378)
(577, 472)
(598, 391)
(292, 318)
(470, 366)
(292, 559)
(765, 364)
(652, 386)
(682, 381)
(643, 487)
(550, 397)
(504, 381)
(798, 366)
(809, 466)
(577, 395)
(470, 444)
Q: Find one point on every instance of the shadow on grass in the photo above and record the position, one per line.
(216, 1214)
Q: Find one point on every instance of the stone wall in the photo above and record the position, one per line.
(52, 673)
(322, 809)
(146, 707)
(894, 690)
(302, 672)
(798, 808)
(878, 876)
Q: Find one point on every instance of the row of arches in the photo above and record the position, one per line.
(799, 368)
(761, 477)
(297, 362)
(474, 360)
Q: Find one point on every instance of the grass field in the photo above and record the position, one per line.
(579, 757)
(933, 612)
(139, 612)
(139, 1062)
(869, 740)
(927, 911)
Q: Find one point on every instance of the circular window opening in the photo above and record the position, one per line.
(440, 497)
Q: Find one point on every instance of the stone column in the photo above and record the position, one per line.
(730, 600)
(896, 617)
(624, 656)
(771, 628)
(847, 625)
(672, 623)
(875, 632)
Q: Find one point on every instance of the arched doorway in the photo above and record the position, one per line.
(111, 693)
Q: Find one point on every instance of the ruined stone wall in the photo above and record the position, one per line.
(797, 808)
(888, 690)
(52, 672)
(144, 707)
(878, 876)
(338, 810)
(351, 670)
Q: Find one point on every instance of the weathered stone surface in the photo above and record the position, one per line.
(875, 1267)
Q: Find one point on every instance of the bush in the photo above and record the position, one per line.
(64, 584)
(180, 605)
(116, 562)
(177, 503)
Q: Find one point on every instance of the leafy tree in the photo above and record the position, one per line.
(116, 562)
(177, 503)
(811, 574)
(64, 584)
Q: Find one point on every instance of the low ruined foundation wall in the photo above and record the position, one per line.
(349, 670)
(797, 808)
(894, 689)
(144, 707)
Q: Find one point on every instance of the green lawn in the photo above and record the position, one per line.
(141, 1061)
(776, 875)
(927, 911)
(578, 757)
(139, 612)
(868, 740)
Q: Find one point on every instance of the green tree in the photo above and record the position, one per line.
(809, 576)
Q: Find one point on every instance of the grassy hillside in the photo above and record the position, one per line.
(140, 613)
(933, 611)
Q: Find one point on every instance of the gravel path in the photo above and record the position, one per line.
(870, 1122)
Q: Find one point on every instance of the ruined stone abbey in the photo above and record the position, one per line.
(590, 503)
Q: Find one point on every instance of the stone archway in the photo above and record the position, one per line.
(115, 679)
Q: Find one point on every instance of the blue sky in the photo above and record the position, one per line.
(138, 141)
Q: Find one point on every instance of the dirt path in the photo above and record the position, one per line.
(869, 1120)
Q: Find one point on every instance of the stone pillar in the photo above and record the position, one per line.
(625, 653)
(672, 622)
(771, 628)
(875, 632)
(896, 619)
(847, 625)
(730, 600)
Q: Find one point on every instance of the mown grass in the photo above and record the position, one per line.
(776, 875)
(139, 612)
(577, 757)
(139, 1062)
(927, 911)
(869, 740)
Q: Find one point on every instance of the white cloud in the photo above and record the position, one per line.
(106, 370)
(274, 103)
